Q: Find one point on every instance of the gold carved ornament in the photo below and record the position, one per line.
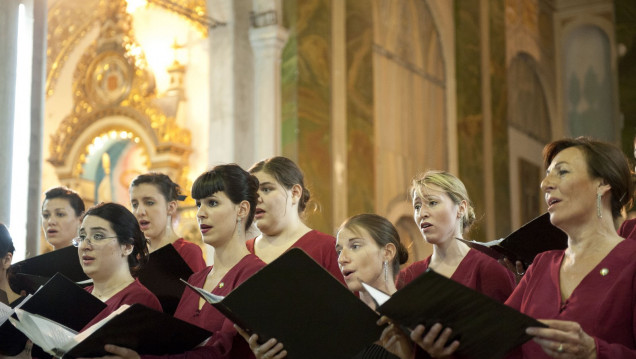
(112, 79)
(69, 21)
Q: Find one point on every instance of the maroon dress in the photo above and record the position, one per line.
(627, 229)
(134, 293)
(225, 341)
(604, 303)
(191, 254)
(319, 246)
(477, 271)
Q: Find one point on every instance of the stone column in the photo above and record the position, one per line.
(38, 80)
(267, 43)
(8, 47)
(221, 124)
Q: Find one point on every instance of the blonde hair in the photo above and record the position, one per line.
(452, 186)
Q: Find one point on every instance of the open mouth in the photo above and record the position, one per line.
(143, 224)
(425, 225)
(347, 273)
(553, 201)
(87, 259)
(51, 231)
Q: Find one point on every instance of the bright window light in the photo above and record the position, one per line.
(21, 134)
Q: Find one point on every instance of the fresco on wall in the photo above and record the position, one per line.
(112, 168)
(587, 84)
(528, 109)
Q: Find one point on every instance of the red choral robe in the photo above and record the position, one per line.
(135, 293)
(225, 341)
(604, 303)
(627, 229)
(476, 271)
(191, 254)
(319, 246)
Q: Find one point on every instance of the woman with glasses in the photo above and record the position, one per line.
(112, 249)
(226, 199)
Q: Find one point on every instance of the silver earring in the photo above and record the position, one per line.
(386, 271)
(599, 214)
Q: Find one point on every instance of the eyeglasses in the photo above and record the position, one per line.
(94, 239)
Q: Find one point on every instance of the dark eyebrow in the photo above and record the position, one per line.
(94, 229)
(557, 164)
(266, 183)
(349, 241)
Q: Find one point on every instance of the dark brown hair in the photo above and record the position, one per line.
(604, 161)
(170, 190)
(237, 184)
(383, 232)
(68, 194)
(127, 229)
(6, 243)
(287, 173)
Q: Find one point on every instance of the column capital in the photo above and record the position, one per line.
(268, 37)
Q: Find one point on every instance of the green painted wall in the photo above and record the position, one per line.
(306, 102)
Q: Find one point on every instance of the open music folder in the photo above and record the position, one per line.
(137, 327)
(31, 273)
(534, 237)
(61, 300)
(484, 327)
(162, 274)
(296, 301)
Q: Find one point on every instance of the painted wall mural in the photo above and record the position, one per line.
(587, 81)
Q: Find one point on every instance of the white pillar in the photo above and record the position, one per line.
(221, 107)
(38, 80)
(267, 44)
(8, 62)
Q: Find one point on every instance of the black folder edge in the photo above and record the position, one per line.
(538, 235)
(484, 327)
(290, 276)
(145, 330)
(65, 261)
(64, 302)
(162, 274)
(60, 300)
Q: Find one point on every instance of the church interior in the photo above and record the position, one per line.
(362, 94)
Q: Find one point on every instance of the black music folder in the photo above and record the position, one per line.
(484, 327)
(162, 274)
(60, 300)
(296, 301)
(30, 273)
(4, 299)
(145, 330)
(534, 237)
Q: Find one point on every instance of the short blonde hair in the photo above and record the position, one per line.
(452, 186)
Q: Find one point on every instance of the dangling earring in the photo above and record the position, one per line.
(599, 214)
(386, 271)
